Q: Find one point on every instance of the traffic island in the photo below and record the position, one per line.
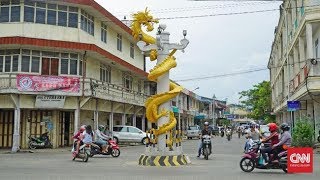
(175, 160)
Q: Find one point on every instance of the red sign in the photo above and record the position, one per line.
(300, 160)
(47, 83)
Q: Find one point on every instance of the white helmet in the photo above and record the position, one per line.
(206, 123)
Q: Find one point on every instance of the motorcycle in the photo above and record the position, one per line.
(222, 133)
(84, 153)
(228, 134)
(40, 142)
(319, 137)
(206, 146)
(253, 159)
(113, 149)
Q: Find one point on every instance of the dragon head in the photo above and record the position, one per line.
(145, 19)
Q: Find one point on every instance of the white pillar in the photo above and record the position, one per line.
(301, 51)
(77, 116)
(134, 118)
(111, 118)
(16, 130)
(309, 40)
(123, 118)
(162, 87)
(96, 116)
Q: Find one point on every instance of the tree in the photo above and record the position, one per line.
(303, 134)
(258, 100)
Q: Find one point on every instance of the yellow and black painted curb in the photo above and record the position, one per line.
(162, 160)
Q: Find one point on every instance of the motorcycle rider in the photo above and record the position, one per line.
(285, 139)
(76, 137)
(102, 139)
(252, 136)
(85, 137)
(205, 131)
(274, 138)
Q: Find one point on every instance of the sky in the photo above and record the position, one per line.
(221, 42)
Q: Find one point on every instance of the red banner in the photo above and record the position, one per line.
(35, 83)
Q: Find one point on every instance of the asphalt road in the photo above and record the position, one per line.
(57, 164)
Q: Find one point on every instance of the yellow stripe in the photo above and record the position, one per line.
(174, 160)
(166, 161)
(156, 160)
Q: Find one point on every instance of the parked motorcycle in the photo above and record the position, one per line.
(40, 142)
(206, 146)
(228, 134)
(253, 159)
(84, 153)
(113, 149)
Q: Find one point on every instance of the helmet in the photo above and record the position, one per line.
(206, 123)
(284, 127)
(82, 128)
(273, 127)
(100, 127)
(252, 125)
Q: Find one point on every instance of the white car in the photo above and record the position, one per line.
(193, 131)
(129, 134)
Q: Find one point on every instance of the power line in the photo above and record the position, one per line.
(237, 73)
(195, 8)
(222, 14)
(222, 75)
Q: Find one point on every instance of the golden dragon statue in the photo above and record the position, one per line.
(144, 19)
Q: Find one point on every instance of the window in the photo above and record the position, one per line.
(40, 14)
(30, 61)
(50, 14)
(134, 130)
(131, 50)
(73, 17)
(105, 73)
(87, 22)
(119, 42)
(140, 85)
(9, 60)
(69, 64)
(103, 33)
(10, 12)
(62, 15)
(127, 81)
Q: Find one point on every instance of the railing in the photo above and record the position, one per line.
(88, 87)
(113, 92)
(298, 79)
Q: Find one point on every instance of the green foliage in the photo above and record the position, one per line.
(302, 135)
(258, 99)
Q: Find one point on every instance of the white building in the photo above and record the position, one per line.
(293, 76)
(64, 64)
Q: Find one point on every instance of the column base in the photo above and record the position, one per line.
(175, 160)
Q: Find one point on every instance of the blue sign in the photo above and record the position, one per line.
(230, 117)
(293, 105)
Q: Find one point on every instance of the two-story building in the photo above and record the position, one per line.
(65, 63)
(294, 62)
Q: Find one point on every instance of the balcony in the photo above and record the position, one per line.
(88, 87)
(298, 79)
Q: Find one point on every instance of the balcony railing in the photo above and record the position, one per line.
(88, 87)
(298, 79)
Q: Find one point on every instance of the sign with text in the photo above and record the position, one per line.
(293, 105)
(34, 83)
(43, 101)
(300, 160)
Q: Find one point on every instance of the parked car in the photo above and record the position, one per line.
(193, 131)
(129, 134)
(214, 130)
